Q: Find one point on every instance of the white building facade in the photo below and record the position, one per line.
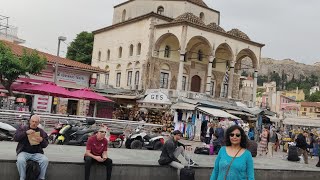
(173, 45)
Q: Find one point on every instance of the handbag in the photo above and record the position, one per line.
(225, 177)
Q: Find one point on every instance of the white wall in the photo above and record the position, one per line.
(172, 9)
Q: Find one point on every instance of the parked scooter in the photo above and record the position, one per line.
(115, 138)
(7, 132)
(55, 132)
(140, 139)
(75, 135)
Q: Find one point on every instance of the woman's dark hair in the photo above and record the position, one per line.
(243, 142)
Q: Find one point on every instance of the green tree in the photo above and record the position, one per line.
(81, 48)
(12, 66)
(244, 73)
(262, 79)
(275, 77)
(315, 97)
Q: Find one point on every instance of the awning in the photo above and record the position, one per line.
(184, 106)
(308, 122)
(217, 112)
(122, 96)
(273, 119)
(239, 113)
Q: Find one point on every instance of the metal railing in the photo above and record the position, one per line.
(48, 121)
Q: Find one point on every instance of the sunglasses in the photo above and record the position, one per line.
(102, 131)
(232, 135)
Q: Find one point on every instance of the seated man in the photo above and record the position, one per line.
(171, 150)
(96, 151)
(31, 149)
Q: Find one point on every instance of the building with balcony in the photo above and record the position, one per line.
(176, 46)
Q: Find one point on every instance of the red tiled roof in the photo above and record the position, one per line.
(18, 50)
(310, 104)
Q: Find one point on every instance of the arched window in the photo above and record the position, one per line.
(200, 55)
(123, 18)
(137, 77)
(167, 51)
(160, 10)
(131, 50)
(139, 49)
(108, 54)
(99, 56)
(120, 52)
(201, 16)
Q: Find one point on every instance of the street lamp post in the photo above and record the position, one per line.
(60, 38)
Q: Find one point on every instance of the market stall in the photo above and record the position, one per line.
(184, 119)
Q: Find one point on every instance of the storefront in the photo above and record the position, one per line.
(155, 108)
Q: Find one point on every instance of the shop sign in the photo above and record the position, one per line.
(157, 97)
(21, 100)
(42, 103)
(70, 77)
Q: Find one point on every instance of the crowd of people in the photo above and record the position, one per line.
(233, 156)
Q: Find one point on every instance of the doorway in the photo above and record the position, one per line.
(196, 83)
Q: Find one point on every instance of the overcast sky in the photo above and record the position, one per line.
(289, 28)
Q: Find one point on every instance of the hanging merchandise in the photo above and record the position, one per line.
(175, 118)
(194, 118)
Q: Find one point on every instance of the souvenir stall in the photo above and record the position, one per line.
(184, 119)
(216, 116)
(155, 108)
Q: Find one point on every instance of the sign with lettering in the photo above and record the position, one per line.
(157, 97)
(42, 103)
(70, 77)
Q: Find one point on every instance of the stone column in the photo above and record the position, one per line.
(230, 83)
(180, 73)
(255, 86)
(209, 74)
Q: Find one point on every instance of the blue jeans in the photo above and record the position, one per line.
(22, 159)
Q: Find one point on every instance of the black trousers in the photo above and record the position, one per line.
(88, 162)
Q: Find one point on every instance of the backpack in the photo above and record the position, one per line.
(293, 154)
(33, 170)
(202, 150)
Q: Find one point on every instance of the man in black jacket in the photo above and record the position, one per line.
(31, 140)
(171, 151)
(302, 145)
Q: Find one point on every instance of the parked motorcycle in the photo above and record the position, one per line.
(7, 132)
(72, 134)
(115, 138)
(140, 139)
(54, 134)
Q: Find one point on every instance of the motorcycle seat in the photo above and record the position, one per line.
(83, 131)
(116, 133)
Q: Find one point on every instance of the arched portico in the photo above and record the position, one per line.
(167, 47)
(223, 63)
(199, 53)
(252, 65)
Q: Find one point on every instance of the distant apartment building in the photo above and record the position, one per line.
(310, 109)
(270, 87)
(297, 94)
(8, 32)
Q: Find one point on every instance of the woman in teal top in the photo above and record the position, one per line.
(241, 167)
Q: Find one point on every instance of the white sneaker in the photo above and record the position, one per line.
(193, 164)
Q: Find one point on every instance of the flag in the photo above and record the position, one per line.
(226, 76)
